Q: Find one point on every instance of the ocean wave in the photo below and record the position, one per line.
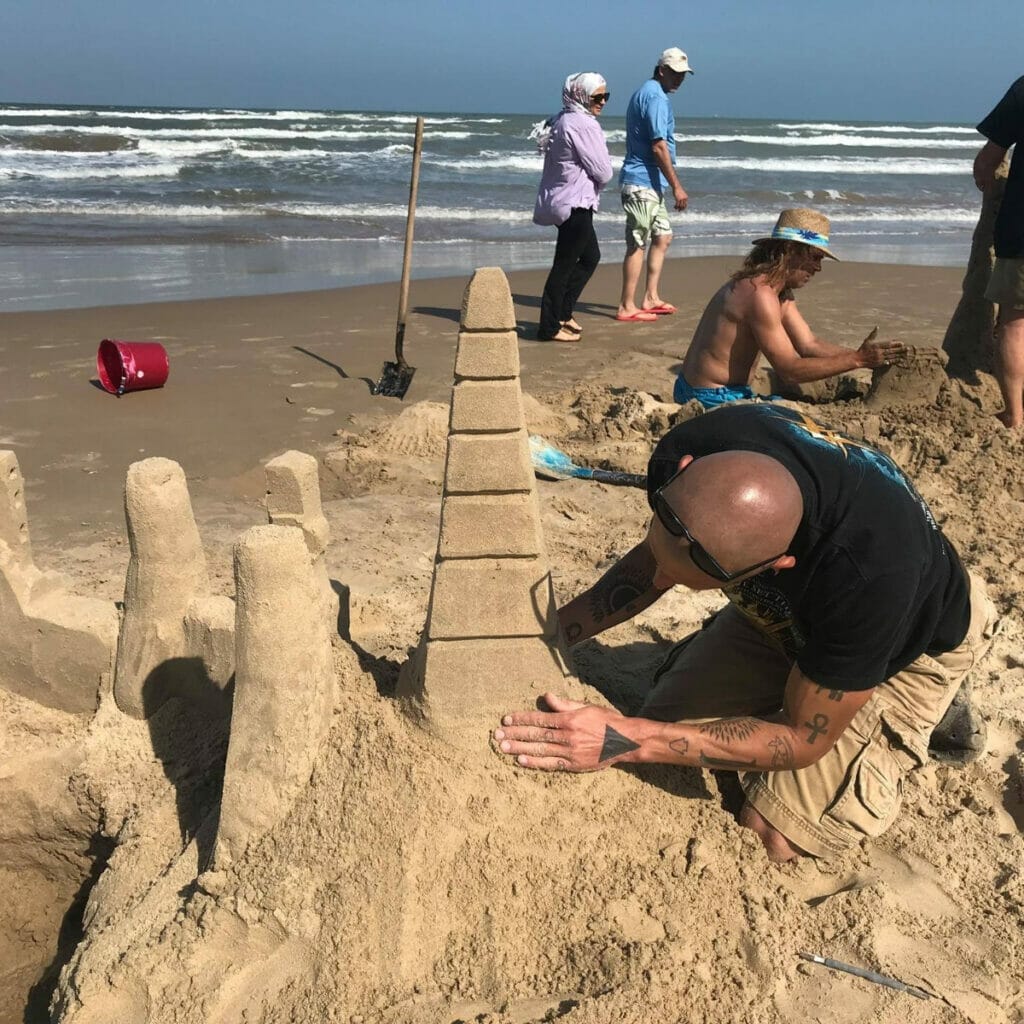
(490, 160)
(821, 141)
(883, 165)
(341, 134)
(821, 126)
(843, 216)
(89, 173)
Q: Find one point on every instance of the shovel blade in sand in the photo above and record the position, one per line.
(550, 463)
(395, 379)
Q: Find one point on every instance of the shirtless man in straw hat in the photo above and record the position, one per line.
(754, 313)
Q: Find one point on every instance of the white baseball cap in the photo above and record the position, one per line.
(675, 59)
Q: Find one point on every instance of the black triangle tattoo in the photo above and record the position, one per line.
(615, 743)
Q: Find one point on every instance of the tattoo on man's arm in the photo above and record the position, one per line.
(818, 726)
(680, 746)
(722, 763)
(615, 744)
(832, 694)
(731, 729)
(573, 632)
(782, 754)
(618, 590)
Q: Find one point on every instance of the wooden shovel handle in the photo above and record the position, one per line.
(403, 295)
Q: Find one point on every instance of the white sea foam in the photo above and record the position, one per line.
(820, 141)
(819, 126)
(341, 134)
(90, 172)
(883, 165)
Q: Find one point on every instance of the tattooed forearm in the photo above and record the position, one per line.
(817, 726)
(680, 746)
(729, 766)
(782, 754)
(731, 729)
(622, 586)
(611, 596)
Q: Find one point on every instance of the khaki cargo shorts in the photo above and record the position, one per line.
(1006, 285)
(730, 668)
(646, 216)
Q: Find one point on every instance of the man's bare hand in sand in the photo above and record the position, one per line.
(572, 737)
(879, 353)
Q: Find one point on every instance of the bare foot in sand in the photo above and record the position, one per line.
(779, 849)
(1009, 421)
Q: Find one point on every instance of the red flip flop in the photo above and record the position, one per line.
(643, 317)
(664, 309)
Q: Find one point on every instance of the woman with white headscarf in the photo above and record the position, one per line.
(576, 168)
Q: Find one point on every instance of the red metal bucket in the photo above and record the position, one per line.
(131, 365)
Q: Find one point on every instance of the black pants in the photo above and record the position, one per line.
(577, 255)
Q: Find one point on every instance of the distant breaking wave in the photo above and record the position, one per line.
(902, 128)
(385, 211)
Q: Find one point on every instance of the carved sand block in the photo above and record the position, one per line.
(293, 499)
(58, 647)
(284, 685)
(916, 378)
(491, 640)
(176, 640)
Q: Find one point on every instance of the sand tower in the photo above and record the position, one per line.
(491, 640)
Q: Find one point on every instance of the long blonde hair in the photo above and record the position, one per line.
(774, 259)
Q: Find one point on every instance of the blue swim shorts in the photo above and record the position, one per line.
(711, 398)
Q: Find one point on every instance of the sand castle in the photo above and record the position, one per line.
(264, 660)
(268, 839)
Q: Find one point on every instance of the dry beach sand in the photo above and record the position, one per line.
(412, 884)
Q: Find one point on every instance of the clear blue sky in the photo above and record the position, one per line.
(924, 60)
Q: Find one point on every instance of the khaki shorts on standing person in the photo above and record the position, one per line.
(732, 668)
(646, 216)
(1006, 285)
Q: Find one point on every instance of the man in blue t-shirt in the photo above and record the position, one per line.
(647, 171)
(1004, 127)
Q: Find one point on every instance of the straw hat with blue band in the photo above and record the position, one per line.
(806, 226)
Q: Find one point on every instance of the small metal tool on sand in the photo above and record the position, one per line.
(861, 972)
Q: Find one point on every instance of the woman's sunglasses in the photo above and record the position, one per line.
(600, 97)
(699, 555)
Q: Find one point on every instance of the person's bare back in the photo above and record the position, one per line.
(724, 350)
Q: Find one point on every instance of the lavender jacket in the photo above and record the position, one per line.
(576, 168)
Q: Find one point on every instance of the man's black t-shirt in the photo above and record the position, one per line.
(875, 585)
(1005, 127)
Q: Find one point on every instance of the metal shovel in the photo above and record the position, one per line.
(396, 377)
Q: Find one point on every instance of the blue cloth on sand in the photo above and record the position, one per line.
(710, 398)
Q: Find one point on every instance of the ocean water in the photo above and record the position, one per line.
(108, 205)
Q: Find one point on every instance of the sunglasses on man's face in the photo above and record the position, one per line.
(699, 555)
(600, 97)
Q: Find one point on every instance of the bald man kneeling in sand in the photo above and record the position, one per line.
(849, 627)
(755, 314)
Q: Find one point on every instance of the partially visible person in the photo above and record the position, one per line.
(576, 167)
(1004, 127)
(754, 313)
(648, 171)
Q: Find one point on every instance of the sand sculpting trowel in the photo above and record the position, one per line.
(552, 464)
(396, 377)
